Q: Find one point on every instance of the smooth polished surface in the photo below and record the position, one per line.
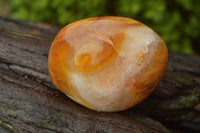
(107, 63)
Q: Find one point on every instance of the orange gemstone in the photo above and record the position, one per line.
(107, 63)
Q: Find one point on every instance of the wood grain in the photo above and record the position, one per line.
(29, 102)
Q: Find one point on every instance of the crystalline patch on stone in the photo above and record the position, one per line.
(112, 78)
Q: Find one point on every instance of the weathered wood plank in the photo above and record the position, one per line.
(29, 99)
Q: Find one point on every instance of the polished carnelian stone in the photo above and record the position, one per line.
(107, 63)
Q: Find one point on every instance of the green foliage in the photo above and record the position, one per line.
(56, 12)
(176, 21)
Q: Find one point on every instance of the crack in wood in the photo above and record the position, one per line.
(7, 127)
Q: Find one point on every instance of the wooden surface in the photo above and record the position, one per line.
(29, 102)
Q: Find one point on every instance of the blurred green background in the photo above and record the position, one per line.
(176, 21)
